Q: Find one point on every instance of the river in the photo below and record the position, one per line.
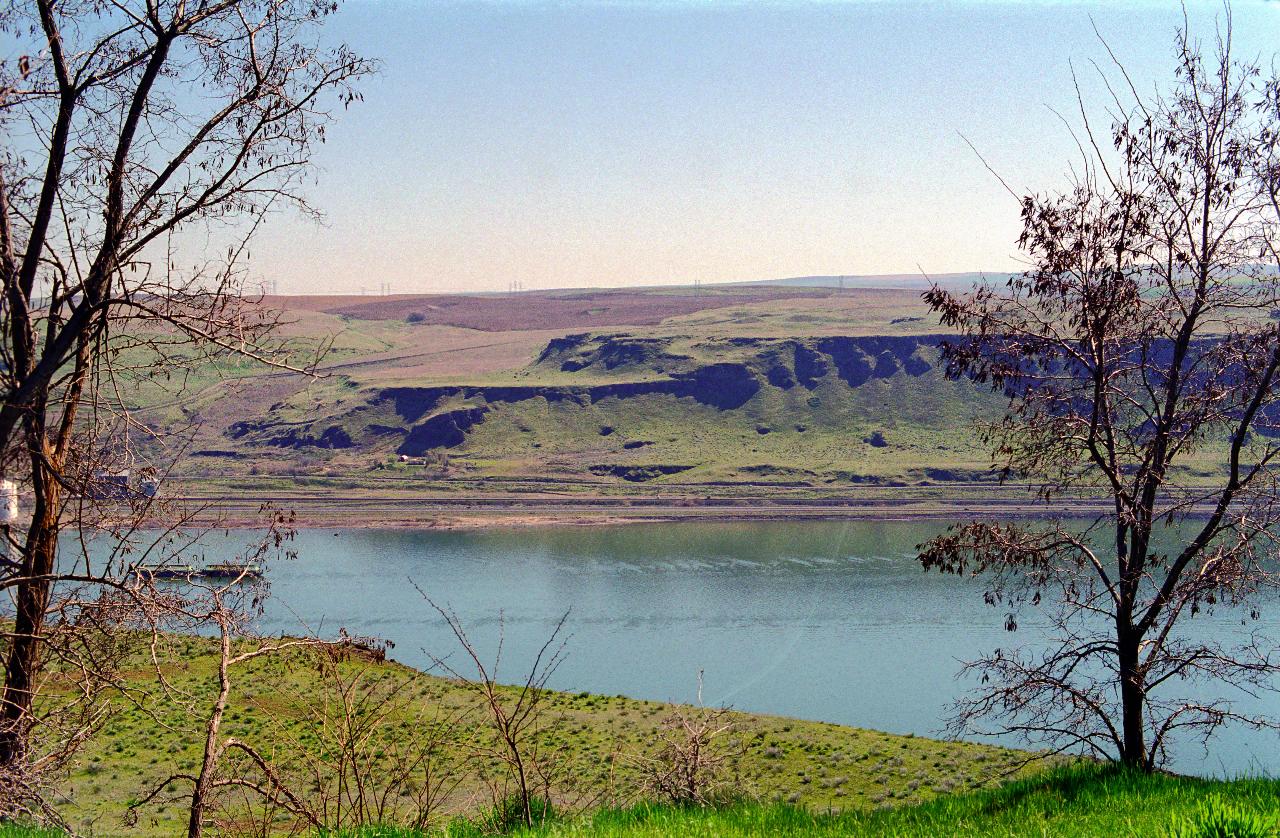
(833, 621)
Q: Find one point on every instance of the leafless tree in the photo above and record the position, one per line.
(209, 780)
(370, 753)
(134, 131)
(229, 605)
(514, 714)
(1141, 344)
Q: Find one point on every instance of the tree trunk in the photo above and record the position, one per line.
(209, 764)
(32, 602)
(1132, 701)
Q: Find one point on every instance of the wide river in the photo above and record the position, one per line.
(819, 620)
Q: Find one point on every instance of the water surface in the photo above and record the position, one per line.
(819, 620)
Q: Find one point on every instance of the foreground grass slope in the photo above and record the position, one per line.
(1085, 800)
(1080, 800)
(787, 777)
(598, 744)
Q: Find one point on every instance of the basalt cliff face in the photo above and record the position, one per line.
(641, 408)
(440, 417)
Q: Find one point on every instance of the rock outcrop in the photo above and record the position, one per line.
(441, 417)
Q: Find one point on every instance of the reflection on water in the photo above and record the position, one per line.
(821, 620)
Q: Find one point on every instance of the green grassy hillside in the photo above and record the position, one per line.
(615, 407)
(1081, 801)
(597, 744)
(764, 387)
(783, 776)
(690, 393)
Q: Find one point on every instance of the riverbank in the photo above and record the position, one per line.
(332, 505)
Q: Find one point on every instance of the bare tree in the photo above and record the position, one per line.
(514, 714)
(361, 750)
(1141, 344)
(228, 604)
(107, 605)
(209, 780)
(129, 129)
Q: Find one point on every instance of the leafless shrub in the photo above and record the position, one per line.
(515, 718)
(229, 605)
(91, 622)
(382, 755)
(688, 766)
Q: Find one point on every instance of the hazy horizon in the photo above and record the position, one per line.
(615, 144)
(907, 282)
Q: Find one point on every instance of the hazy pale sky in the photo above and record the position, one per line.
(623, 143)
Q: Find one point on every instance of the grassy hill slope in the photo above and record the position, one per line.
(693, 392)
(592, 406)
(1084, 801)
(816, 411)
(595, 743)
(784, 776)
(762, 386)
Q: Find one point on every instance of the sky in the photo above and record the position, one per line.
(599, 144)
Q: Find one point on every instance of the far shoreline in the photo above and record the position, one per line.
(321, 512)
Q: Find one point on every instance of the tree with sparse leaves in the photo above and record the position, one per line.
(1140, 344)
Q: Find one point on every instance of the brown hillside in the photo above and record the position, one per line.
(539, 310)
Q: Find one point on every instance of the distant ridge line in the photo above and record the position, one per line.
(891, 281)
(850, 281)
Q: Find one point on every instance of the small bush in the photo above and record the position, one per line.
(1219, 818)
(508, 815)
(687, 769)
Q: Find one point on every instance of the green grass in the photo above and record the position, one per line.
(598, 741)
(1080, 800)
(795, 777)
(14, 830)
(557, 439)
(1084, 800)
(781, 439)
(821, 445)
